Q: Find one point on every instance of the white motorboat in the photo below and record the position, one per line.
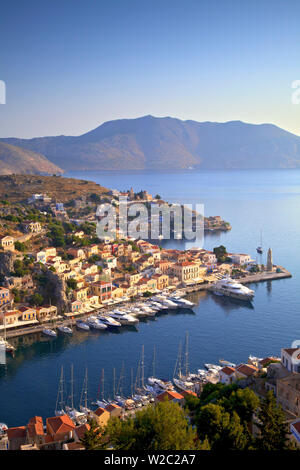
(124, 318)
(226, 363)
(231, 288)
(109, 321)
(49, 332)
(94, 323)
(183, 384)
(81, 325)
(165, 301)
(164, 385)
(3, 428)
(182, 302)
(213, 367)
(4, 345)
(65, 329)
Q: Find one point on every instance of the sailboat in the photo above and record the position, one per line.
(59, 407)
(182, 381)
(102, 403)
(84, 395)
(70, 410)
(157, 385)
(259, 249)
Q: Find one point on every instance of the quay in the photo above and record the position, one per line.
(71, 321)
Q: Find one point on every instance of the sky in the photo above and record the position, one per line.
(70, 65)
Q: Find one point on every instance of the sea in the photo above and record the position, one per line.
(254, 202)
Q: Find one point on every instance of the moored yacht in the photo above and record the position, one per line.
(49, 332)
(65, 329)
(109, 321)
(81, 325)
(231, 288)
(93, 322)
(124, 318)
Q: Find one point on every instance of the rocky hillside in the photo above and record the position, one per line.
(166, 143)
(14, 159)
(18, 188)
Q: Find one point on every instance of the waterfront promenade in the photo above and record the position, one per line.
(70, 321)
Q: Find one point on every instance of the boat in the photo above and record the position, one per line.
(65, 329)
(259, 249)
(124, 318)
(226, 363)
(3, 428)
(96, 324)
(165, 301)
(231, 288)
(162, 384)
(81, 325)
(213, 367)
(49, 332)
(183, 382)
(5, 345)
(59, 407)
(109, 321)
(181, 302)
(84, 395)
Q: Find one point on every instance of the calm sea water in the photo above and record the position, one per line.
(251, 201)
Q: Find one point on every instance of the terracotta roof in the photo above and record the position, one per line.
(188, 392)
(297, 426)
(74, 446)
(265, 361)
(60, 424)
(99, 411)
(228, 370)
(112, 406)
(16, 433)
(169, 395)
(246, 369)
(290, 351)
(35, 426)
(81, 430)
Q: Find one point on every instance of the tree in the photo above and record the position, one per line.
(160, 427)
(272, 426)
(92, 438)
(221, 253)
(20, 246)
(36, 299)
(223, 431)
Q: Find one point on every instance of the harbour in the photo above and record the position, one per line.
(217, 326)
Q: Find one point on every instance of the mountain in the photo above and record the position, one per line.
(168, 143)
(18, 160)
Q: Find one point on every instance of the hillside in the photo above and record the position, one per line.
(165, 143)
(18, 160)
(18, 188)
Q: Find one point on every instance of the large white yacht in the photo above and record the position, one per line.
(232, 288)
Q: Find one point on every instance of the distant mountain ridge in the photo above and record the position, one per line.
(169, 143)
(14, 159)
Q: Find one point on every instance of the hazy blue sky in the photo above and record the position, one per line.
(70, 65)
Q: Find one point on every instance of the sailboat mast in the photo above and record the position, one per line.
(72, 386)
(179, 360)
(114, 386)
(131, 382)
(102, 384)
(86, 389)
(154, 357)
(60, 393)
(186, 354)
(143, 366)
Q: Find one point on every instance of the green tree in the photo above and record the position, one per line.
(223, 431)
(272, 426)
(92, 438)
(160, 427)
(36, 299)
(221, 253)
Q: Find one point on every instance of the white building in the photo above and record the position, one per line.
(290, 359)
